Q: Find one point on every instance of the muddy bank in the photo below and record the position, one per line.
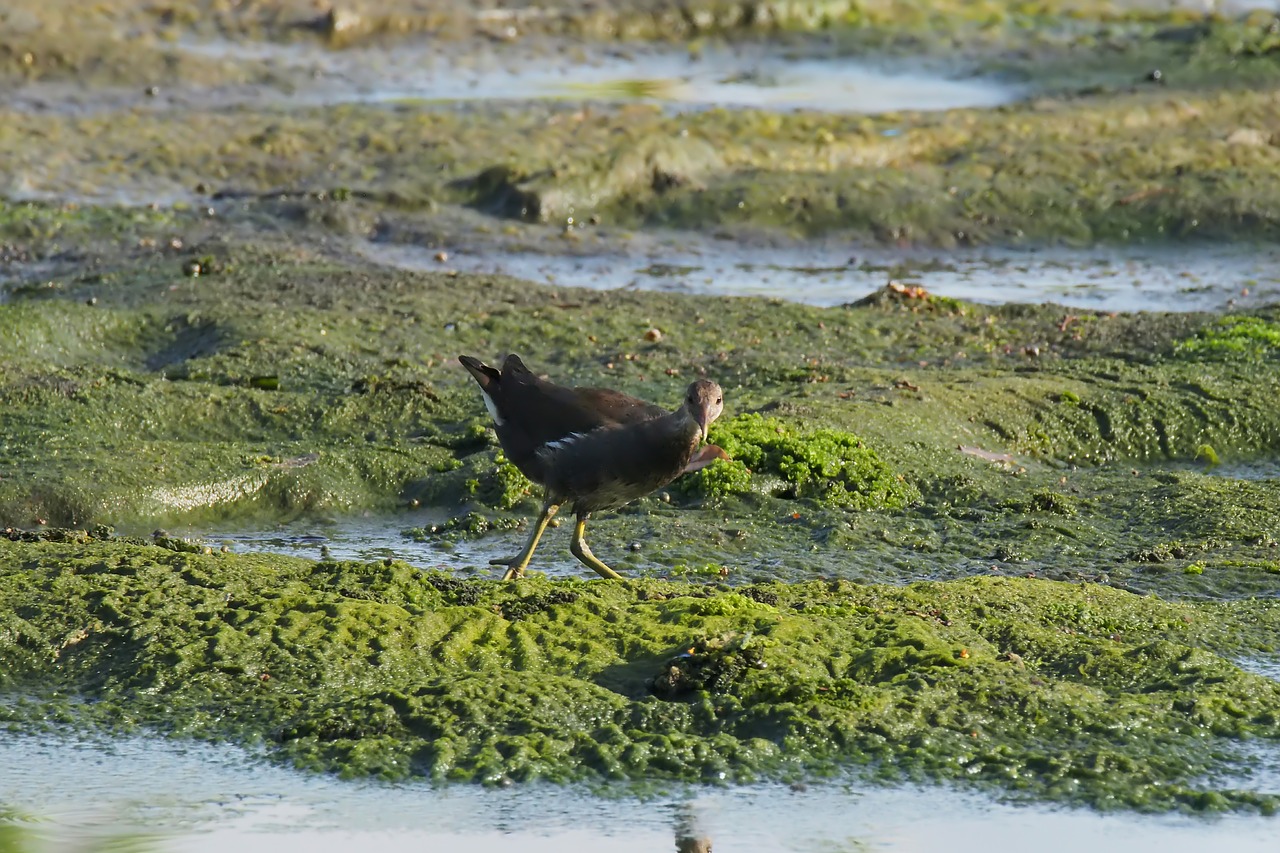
(1124, 125)
(1135, 167)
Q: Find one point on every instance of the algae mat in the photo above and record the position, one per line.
(1071, 691)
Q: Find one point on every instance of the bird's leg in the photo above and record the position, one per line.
(580, 550)
(517, 564)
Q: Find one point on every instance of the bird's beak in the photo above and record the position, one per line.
(702, 415)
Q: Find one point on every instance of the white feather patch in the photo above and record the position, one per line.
(561, 444)
(493, 409)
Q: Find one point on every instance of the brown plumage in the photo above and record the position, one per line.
(593, 447)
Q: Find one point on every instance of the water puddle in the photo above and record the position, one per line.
(149, 794)
(1267, 668)
(1129, 279)
(1266, 469)
(383, 537)
(722, 78)
(742, 76)
(1254, 469)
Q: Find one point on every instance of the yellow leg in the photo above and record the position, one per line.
(583, 553)
(517, 564)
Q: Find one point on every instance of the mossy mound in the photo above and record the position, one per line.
(1074, 692)
(1235, 337)
(486, 478)
(831, 467)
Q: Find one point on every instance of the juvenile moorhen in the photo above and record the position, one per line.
(594, 447)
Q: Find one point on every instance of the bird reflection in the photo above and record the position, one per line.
(690, 837)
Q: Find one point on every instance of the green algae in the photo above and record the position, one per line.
(834, 468)
(1235, 337)
(1074, 692)
(35, 231)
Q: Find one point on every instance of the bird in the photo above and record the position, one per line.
(593, 448)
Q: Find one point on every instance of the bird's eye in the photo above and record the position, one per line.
(719, 400)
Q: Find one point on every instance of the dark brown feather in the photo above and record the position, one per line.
(614, 465)
(531, 413)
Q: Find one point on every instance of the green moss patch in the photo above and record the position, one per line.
(832, 467)
(1074, 692)
(1235, 337)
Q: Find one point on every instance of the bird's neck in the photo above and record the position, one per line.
(684, 424)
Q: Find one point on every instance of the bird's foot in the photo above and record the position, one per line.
(515, 567)
(517, 564)
(580, 550)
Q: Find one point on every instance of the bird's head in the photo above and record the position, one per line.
(705, 401)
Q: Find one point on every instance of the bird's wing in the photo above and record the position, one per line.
(618, 407)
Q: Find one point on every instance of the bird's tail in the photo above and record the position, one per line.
(512, 364)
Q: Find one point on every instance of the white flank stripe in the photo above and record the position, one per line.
(564, 442)
(493, 410)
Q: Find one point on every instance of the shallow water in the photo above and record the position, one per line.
(722, 78)
(1268, 668)
(386, 537)
(377, 538)
(742, 76)
(1231, 469)
(1108, 279)
(140, 793)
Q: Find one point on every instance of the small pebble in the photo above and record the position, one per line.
(653, 335)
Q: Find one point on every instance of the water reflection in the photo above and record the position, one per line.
(153, 794)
